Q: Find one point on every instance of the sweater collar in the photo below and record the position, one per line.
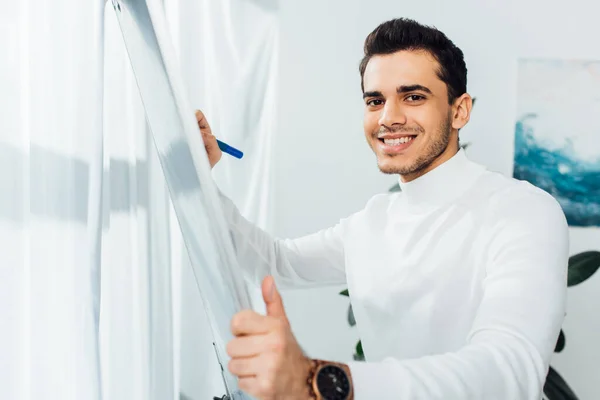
(444, 183)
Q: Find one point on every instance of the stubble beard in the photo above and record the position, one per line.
(433, 150)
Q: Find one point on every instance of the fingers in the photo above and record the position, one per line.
(210, 141)
(247, 346)
(245, 367)
(202, 121)
(256, 378)
(248, 384)
(272, 298)
(248, 322)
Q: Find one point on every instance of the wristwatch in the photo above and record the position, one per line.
(330, 381)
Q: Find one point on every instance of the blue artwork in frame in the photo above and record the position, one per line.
(557, 134)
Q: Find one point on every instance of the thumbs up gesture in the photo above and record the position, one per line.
(265, 355)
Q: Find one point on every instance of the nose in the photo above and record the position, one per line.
(392, 114)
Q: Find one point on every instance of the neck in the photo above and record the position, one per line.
(443, 183)
(447, 154)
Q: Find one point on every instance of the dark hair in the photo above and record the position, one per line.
(406, 34)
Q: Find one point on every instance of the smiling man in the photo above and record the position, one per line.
(457, 283)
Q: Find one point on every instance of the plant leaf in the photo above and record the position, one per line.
(582, 266)
(351, 319)
(556, 388)
(560, 343)
(345, 293)
(359, 355)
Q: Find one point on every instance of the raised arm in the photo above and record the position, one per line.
(313, 260)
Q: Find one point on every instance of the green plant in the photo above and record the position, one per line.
(581, 267)
(358, 355)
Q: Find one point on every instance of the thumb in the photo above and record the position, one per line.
(272, 298)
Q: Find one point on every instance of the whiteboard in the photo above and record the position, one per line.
(186, 169)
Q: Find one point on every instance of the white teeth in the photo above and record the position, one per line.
(396, 142)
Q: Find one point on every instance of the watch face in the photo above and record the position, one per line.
(333, 383)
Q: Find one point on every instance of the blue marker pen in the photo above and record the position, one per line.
(232, 151)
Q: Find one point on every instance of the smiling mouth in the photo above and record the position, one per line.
(397, 141)
(391, 145)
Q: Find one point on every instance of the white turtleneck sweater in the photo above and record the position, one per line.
(457, 283)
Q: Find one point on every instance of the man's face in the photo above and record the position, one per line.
(408, 122)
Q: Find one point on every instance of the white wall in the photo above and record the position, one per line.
(325, 170)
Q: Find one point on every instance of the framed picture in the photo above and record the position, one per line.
(557, 134)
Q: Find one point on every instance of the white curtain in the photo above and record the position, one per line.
(228, 51)
(51, 123)
(229, 58)
(140, 246)
(96, 298)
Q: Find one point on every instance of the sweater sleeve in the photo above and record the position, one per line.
(508, 350)
(309, 261)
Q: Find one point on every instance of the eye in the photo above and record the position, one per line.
(374, 102)
(414, 97)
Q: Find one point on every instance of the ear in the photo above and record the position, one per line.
(461, 111)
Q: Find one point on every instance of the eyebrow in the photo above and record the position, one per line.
(399, 90)
(412, 88)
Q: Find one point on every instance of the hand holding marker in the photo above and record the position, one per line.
(211, 142)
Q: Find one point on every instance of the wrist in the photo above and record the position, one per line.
(329, 380)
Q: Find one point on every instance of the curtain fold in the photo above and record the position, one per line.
(228, 53)
(51, 108)
(97, 297)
